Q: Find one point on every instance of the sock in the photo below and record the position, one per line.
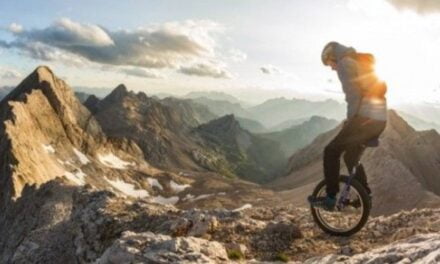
(332, 196)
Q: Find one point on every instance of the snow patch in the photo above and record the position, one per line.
(112, 161)
(178, 187)
(77, 177)
(244, 207)
(48, 148)
(154, 182)
(202, 196)
(188, 197)
(127, 188)
(82, 158)
(166, 200)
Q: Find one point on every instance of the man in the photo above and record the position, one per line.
(366, 115)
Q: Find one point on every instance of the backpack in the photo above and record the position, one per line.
(367, 79)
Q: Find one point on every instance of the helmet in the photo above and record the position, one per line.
(327, 54)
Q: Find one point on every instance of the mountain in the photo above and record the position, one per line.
(161, 131)
(276, 111)
(223, 107)
(402, 171)
(97, 91)
(82, 97)
(172, 135)
(4, 90)
(252, 157)
(190, 108)
(419, 124)
(288, 124)
(251, 125)
(301, 135)
(213, 95)
(59, 169)
(429, 112)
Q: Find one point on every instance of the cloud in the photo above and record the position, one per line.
(15, 28)
(270, 69)
(7, 73)
(67, 34)
(237, 55)
(206, 70)
(41, 51)
(143, 73)
(167, 45)
(420, 6)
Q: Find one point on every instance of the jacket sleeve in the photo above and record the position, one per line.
(347, 73)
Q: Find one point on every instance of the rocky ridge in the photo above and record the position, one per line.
(100, 227)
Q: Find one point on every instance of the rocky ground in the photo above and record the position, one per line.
(102, 227)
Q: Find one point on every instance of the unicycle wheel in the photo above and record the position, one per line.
(347, 219)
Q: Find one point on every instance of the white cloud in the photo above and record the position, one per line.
(419, 6)
(270, 69)
(206, 70)
(8, 73)
(237, 55)
(157, 46)
(143, 73)
(66, 34)
(15, 28)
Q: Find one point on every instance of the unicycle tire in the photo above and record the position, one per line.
(366, 202)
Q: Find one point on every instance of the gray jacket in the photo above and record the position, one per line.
(347, 69)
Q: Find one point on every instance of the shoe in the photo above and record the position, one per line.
(327, 203)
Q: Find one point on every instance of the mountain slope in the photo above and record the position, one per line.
(402, 171)
(251, 125)
(169, 133)
(275, 111)
(252, 157)
(213, 95)
(298, 136)
(53, 150)
(418, 123)
(223, 107)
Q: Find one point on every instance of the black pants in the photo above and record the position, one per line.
(350, 141)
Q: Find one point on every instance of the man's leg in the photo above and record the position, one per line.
(355, 132)
(332, 156)
(351, 157)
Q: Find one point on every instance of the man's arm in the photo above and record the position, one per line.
(348, 74)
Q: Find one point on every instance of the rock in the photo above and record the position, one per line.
(417, 249)
(201, 224)
(237, 247)
(155, 248)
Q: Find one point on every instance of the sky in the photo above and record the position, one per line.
(253, 49)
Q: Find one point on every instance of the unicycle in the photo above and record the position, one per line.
(353, 204)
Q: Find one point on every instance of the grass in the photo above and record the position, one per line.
(282, 257)
(234, 254)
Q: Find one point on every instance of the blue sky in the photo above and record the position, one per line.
(250, 48)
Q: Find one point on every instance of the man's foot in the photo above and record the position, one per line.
(327, 203)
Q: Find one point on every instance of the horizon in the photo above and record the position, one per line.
(209, 46)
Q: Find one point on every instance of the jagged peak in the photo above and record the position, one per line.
(42, 78)
(118, 93)
(222, 124)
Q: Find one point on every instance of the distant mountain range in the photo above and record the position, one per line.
(298, 136)
(183, 134)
